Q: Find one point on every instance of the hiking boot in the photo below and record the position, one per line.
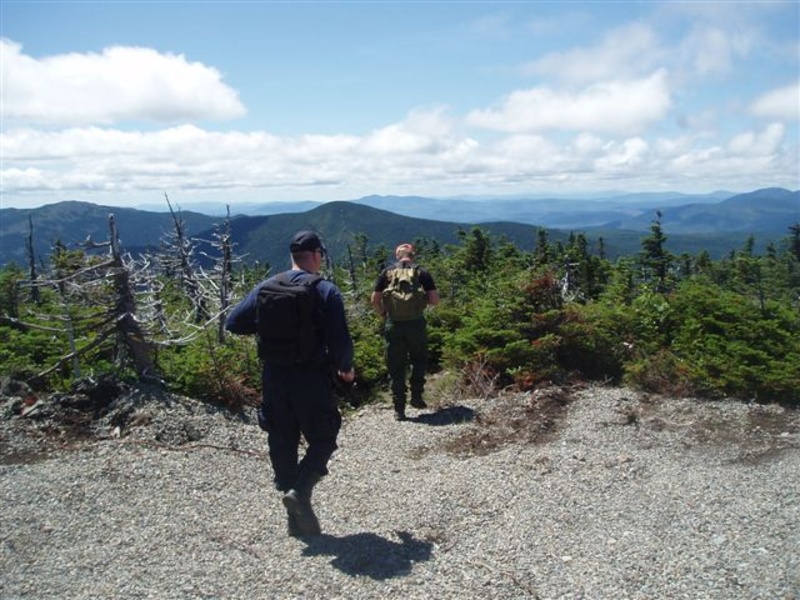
(298, 504)
(292, 528)
(399, 403)
(418, 402)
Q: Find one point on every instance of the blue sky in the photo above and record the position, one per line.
(120, 102)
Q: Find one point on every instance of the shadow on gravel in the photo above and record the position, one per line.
(446, 416)
(369, 555)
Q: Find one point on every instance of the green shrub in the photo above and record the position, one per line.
(595, 340)
(733, 347)
(661, 373)
(227, 374)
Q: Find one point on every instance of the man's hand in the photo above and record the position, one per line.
(347, 376)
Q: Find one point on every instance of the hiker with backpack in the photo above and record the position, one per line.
(303, 337)
(401, 294)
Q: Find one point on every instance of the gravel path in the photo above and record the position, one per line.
(627, 497)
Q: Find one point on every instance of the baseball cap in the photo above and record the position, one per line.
(305, 240)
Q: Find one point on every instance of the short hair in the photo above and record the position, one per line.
(404, 251)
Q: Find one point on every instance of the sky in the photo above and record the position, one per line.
(119, 102)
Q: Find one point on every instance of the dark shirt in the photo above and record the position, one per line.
(338, 343)
(425, 278)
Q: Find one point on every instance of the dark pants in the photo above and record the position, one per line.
(297, 400)
(406, 344)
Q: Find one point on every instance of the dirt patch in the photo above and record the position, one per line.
(760, 432)
(530, 418)
(34, 427)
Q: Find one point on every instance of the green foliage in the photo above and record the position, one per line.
(663, 373)
(734, 347)
(22, 351)
(594, 341)
(655, 259)
(228, 373)
(687, 325)
(10, 293)
(366, 331)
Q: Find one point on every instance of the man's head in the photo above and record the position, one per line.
(307, 251)
(404, 252)
(305, 241)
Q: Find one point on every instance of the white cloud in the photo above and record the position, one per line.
(782, 103)
(710, 50)
(630, 154)
(428, 152)
(188, 157)
(615, 106)
(120, 84)
(421, 131)
(751, 143)
(587, 145)
(399, 158)
(625, 52)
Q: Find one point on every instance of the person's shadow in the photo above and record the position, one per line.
(369, 555)
(451, 415)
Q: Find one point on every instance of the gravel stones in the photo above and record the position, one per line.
(621, 495)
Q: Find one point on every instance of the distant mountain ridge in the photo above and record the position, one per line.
(718, 226)
(765, 210)
(555, 212)
(73, 221)
(549, 210)
(260, 238)
(768, 210)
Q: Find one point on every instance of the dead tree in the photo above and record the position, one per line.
(220, 281)
(225, 268)
(32, 274)
(178, 257)
(352, 269)
(128, 328)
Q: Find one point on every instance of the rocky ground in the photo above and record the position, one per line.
(583, 492)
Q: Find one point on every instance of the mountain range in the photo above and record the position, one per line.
(686, 213)
(718, 223)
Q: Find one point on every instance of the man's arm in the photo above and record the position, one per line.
(340, 344)
(429, 286)
(242, 318)
(377, 295)
(377, 302)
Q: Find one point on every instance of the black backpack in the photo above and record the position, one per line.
(289, 320)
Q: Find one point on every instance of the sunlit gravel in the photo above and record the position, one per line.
(634, 497)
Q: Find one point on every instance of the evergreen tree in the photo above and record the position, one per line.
(655, 259)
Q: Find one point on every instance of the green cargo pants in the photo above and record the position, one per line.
(406, 344)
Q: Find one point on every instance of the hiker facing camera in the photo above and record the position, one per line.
(401, 294)
(303, 336)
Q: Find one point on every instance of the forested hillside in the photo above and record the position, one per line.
(561, 311)
(71, 223)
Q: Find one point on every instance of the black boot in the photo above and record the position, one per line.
(399, 408)
(298, 504)
(291, 523)
(292, 528)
